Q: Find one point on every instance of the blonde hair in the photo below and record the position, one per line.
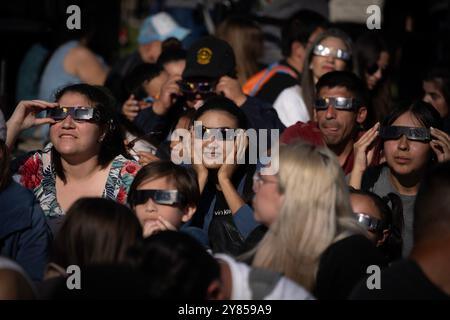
(315, 213)
(246, 38)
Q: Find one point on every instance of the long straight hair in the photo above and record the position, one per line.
(315, 213)
(246, 38)
(307, 81)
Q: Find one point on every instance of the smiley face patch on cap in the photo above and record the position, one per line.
(204, 56)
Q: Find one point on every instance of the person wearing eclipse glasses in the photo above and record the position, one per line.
(86, 156)
(218, 145)
(412, 141)
(164, 196)
(340, 109)
(383, 224)
(210, 71)
(331, 50)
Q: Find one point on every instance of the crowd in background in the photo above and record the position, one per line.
(362, 179)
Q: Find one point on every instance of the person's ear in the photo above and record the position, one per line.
(384, 237)
(188, 213)
(361, 115)
(315, 115)
(102, 137)
(298, 50)
(214, 291)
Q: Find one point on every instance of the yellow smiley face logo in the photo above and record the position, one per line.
(204, 56)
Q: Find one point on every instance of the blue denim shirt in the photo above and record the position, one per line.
(24, 234)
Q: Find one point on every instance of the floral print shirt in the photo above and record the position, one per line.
(38, 174)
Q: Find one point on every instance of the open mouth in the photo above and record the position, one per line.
(328, 68)
(67, 136)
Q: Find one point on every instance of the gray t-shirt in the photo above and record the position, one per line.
(382, 187)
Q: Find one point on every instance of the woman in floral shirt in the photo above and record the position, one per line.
(86, 156)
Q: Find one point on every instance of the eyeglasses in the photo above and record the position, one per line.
(77, 113)
(370, 223)
(412, 133)
(323, 51)
(163, 197)
(340, 103)
(258, 180)
(220, 134)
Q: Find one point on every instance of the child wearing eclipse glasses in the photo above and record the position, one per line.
(164, 196)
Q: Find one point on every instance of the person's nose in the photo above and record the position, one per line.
(403, 143)
(150, 205)
(331, 112)
(68, 123)
(331, 59)
(378, 75)
(427, 98)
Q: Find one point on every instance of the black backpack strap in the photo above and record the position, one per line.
(262, 282)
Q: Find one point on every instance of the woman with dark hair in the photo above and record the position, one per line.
(95, 231)
(86, 156)
(24, 234)
(225, 181)
(384, 224)
(173, 57)
(412, 141)
(371, 61)
(436, 87)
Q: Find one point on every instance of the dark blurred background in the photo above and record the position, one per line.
(418, 32)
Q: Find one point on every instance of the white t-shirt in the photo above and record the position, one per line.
(285, 289)
(291, 107)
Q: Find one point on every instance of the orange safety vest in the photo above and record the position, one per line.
(257, 81)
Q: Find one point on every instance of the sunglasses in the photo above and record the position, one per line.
(339, 103)
(163, 197)
(220, 134)
(412, 133)
(323, 51)
(374, 68)
(77, 113)
(370, 223)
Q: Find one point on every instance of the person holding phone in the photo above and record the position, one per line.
(210, 71)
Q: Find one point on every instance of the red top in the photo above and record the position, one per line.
(311, 133)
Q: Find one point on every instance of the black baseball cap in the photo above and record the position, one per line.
(210, 57)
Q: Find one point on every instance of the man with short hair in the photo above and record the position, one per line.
(339, 112)
(425, 274)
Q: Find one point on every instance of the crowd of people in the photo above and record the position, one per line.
(360, 180)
